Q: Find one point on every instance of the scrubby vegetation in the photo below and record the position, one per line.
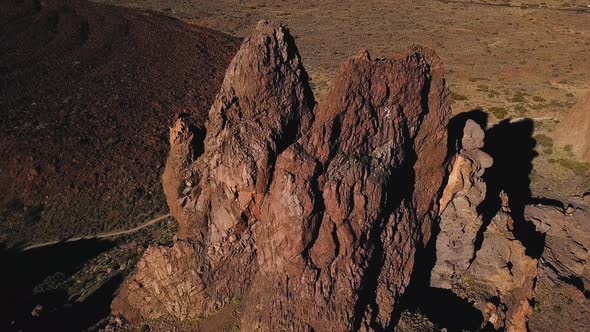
(518, 97)
(457, 97)
(578, 167)
(544, 140)
(499, 112)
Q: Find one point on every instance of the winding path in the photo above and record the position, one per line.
(100, 236)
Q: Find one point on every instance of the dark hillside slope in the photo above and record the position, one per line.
(87, 92)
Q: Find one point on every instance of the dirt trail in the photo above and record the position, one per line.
(100, 236)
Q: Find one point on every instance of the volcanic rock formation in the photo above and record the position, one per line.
(460, 222)
(479, 259)
(313, 217)
(563, 286)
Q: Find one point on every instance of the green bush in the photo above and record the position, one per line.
(499, 112)
(457, 97)
(544, 140)
(579, 168)
(518, 97)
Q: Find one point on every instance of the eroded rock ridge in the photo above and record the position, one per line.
(310, 214)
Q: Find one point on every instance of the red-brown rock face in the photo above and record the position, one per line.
(313, 219)
(344, 213)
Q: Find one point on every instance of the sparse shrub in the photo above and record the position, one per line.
(50, 283)
(556, 103)
(492, 93)
(538, 99)
(544, 140)
(518, 97)
(457, 97)
(579, 168)
(568, 149)
(499, 112)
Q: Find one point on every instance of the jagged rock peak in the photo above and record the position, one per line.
(460, 221)
(266, 79)
(342, 204)
(313, 220)
(265, 103)
(176, 179)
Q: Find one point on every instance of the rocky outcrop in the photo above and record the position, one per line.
(313, 218)
(214, 193)
(501, 277)
(352, 200)
(563, 287)
(479, 259)
(460, 220)
(263, 106)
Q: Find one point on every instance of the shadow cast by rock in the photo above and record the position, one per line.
(33, 279)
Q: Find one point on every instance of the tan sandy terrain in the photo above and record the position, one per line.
(514, 59)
